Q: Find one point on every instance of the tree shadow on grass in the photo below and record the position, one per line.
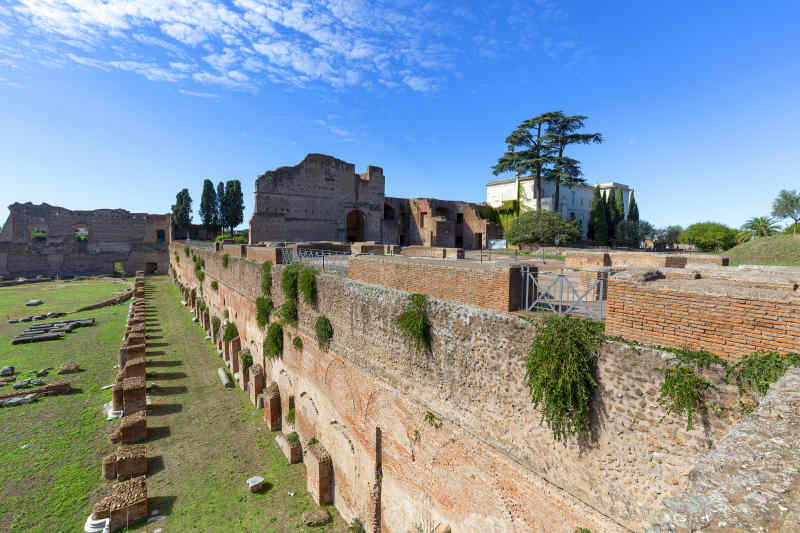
(163, 504)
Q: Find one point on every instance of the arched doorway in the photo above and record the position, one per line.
(355, 226)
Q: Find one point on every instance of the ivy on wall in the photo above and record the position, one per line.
(216, 323)
(264, 307)
(273, 342)
(413, 322)
(307, 285)
(561, 372)
(324, 332)
(231, 332)
(225, 259)
(247, 362)
(214, 285)
(288, 312)
(266, 278)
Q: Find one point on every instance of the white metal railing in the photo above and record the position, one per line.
(557, 293)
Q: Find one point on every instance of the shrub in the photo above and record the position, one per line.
(186, 250)
(560, 372)
(226, 314)
(201, 305)
(288, 312)
(201, 262)
(356, 526)
(543, 227)
(298, 343)
(264, 307)
(433, 420)
(292, 438)
(290, 415)
(225, 258)
(273, 342)
(709, 236)
(81, 237)
(757, 371)
(488, 212)
(231, 332)
(39, 235)
(682, 392)
(414, 324)
(307, 284)
(266, 278)
(214, 284)
(216, 323)
(312, 441)
(201, 276)
(177, 258)
(289, 280)
(324, 332)
(228, 237)
(247, 362)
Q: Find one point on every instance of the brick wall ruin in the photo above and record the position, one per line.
(491, 466)
(323, 199)
(49, 240)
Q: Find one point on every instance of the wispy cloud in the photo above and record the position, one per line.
(333, 129)
(411, 45)
(198, 94)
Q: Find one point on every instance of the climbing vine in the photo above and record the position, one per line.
(225, 258)
(231, 332)
(247, 362)
(290, 418)
(414, 324)
(216, 323)
(356, 526)
(289, 280)
(288, 312)
(266, 278)
(307, 284)
(324, 332)
(433, 420)
(264, 307)
(755, 372)
(682, 392)
(186, 250)
(273, 343)
(292, 438)
(561, 372)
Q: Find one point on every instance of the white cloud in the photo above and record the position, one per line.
(222, 61)
(198, 94)
(223, 80)
(182, 67)
(150, 71)
(333, 129)
(419, 83)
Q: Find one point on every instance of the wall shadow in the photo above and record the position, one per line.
(156, 433)
(163, 409)
(153, 364)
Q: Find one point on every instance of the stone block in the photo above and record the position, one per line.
(131, 429)
(128, 503)
(292, 451)
(272, 407)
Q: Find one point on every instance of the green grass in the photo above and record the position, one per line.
(215, 441)
(781, 250)
(204, 441)
(51, 485)
(509, 251)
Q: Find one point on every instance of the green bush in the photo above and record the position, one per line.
(247, 362)
(39, 235)
(186, 250)
(266, 278)
(682, 392)
(201, 276)
(324, 332)
(215, 323)
(81, 237)
(227, 237)
(709, 236)
(298, 343)
(560, 372)
(290, 417)
(307, 284)
(414, 324)
(289, 280)
(231, 332)
(177, 258)
(356, 526)
(225, 258)
(292, 438)
(226, 314)
(288, 312)
(214, 284)
(543, 227)
(757, 371)
(264, 307)
(487, 212)
(273, 343)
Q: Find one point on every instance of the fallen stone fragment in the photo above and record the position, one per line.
(68, 368)
(26, 319)
(316, 517)
(18, 400)
(223, 377)
(442, 528)
(34, 302)
(13, 320)
(7, 371)
(255, 483)
(25, 383)
(43, 372)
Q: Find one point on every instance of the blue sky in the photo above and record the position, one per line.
(120, 104)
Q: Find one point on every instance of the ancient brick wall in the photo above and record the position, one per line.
(491, 286)
(491, 466)
(109, 236)
(728, 318)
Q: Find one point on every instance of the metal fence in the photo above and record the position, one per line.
(334, 261)
(563, 293)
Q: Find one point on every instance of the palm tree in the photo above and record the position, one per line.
(761, 226)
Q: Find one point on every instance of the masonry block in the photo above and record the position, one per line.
(131, 429)
(292, 451)
(319, 472)
(272, 407)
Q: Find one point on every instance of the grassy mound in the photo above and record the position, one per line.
(775, 250)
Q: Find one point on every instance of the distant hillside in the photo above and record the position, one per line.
(775, 250)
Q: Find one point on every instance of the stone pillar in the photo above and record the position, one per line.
(319, 474)
(236, 348)
(272, 407)
(256, 382)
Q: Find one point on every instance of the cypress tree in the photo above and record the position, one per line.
(221, 207)
(633, 210)
(598, 219)
(209, 209)
(620, 208)
(613, 214)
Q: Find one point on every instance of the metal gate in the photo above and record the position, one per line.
(563, 294)
(325, 260)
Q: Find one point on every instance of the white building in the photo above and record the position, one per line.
(575, 200)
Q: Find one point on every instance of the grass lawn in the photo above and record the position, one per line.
(204, 441)
(51, 484)
(780, 250)
(207, 440)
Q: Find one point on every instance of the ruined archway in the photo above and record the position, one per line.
(355, 226)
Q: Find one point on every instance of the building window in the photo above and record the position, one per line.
(422, 219)
(161, 236)
(459, 218)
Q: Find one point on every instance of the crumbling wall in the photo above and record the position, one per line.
(108, 236)
(491, 466)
